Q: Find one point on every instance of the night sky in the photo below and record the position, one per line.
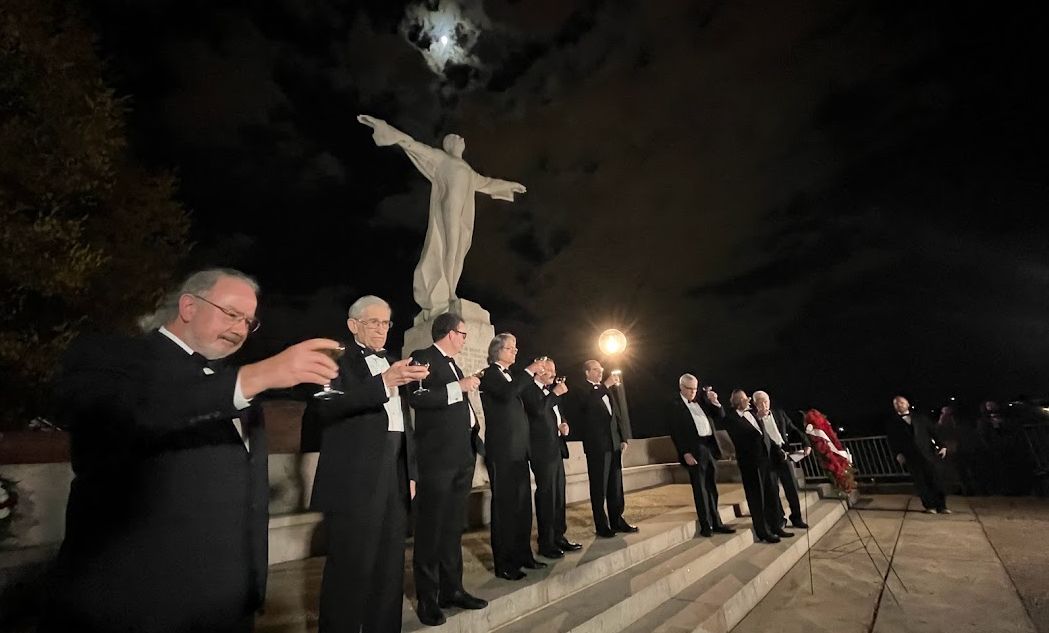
(832, 201)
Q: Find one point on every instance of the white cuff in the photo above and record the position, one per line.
(455, 393)
(239, 401)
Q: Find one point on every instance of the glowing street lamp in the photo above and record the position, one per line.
(612, 342)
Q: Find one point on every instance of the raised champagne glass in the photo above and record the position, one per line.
(334, 353)
(415, 363)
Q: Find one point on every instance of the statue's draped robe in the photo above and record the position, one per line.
(449, 230)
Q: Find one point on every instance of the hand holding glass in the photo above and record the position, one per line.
(335, 353)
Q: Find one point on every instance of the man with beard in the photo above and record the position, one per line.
(166, 524)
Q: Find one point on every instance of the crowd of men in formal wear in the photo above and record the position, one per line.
(167, 514)
(166, 523)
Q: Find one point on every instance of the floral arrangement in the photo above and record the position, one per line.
(8, 501)
(834, 458)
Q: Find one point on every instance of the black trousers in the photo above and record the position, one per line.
(762, 492)
(703, 477)
(783, 474)
(362, 588)
(605, 471)
(927, 481)
(549, 502)
(511, 526)
(440, 501)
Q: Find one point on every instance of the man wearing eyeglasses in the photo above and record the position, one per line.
(166, 524)
(447, 442)
(365, 478)
(506, 455)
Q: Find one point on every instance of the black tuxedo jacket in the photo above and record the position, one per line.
(683, 428)
(506, 425)
(545, 440)
(914, 440)
(167, 518)
(354, 450)
(595, 421)
(749, 442)
(443, 437)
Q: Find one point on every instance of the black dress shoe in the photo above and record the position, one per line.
(533, 564)
(606, 533)
(429, 613)
(707, 532)
(623, 526)
(509, 574)
(801, 525)
(724, 529)
(769, 538)
(552, 552)
(783, 533)
(463, 600)
(568, 546)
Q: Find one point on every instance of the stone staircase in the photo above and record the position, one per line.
(664, 578)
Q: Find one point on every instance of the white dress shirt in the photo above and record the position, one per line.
(394, 412)
(455, 392)
(772, 429)
(699, 418)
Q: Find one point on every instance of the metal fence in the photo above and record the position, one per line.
(872, 457)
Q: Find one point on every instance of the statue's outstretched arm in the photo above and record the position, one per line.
(423, 156)
(499, 189)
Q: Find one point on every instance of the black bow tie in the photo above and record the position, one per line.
(204, 362)
(381, 353)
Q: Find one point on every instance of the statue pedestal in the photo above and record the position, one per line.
(473, 357)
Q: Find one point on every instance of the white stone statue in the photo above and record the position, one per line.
(449, 230)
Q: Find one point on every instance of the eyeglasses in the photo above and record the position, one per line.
(375, 324)
(252, 323)
(511, 349)
(459, 332)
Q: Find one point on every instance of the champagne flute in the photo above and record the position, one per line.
(415, 363)
(326, 391)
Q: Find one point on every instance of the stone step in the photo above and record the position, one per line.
(660, 539)
(720, 599)
(599, 559)
(617, 601)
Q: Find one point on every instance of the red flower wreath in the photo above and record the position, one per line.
(833, 456)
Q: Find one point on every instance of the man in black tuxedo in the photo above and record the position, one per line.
(547, 450)
(691, 415)
(777, 426)
(913, 437)
(167, 519)
(446, 443)
(506, 455)
(605, 435)
(754, 456)
(365, 478)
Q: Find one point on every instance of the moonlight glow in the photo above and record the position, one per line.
(444, 37)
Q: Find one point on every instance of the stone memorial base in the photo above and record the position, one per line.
(473, 357)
